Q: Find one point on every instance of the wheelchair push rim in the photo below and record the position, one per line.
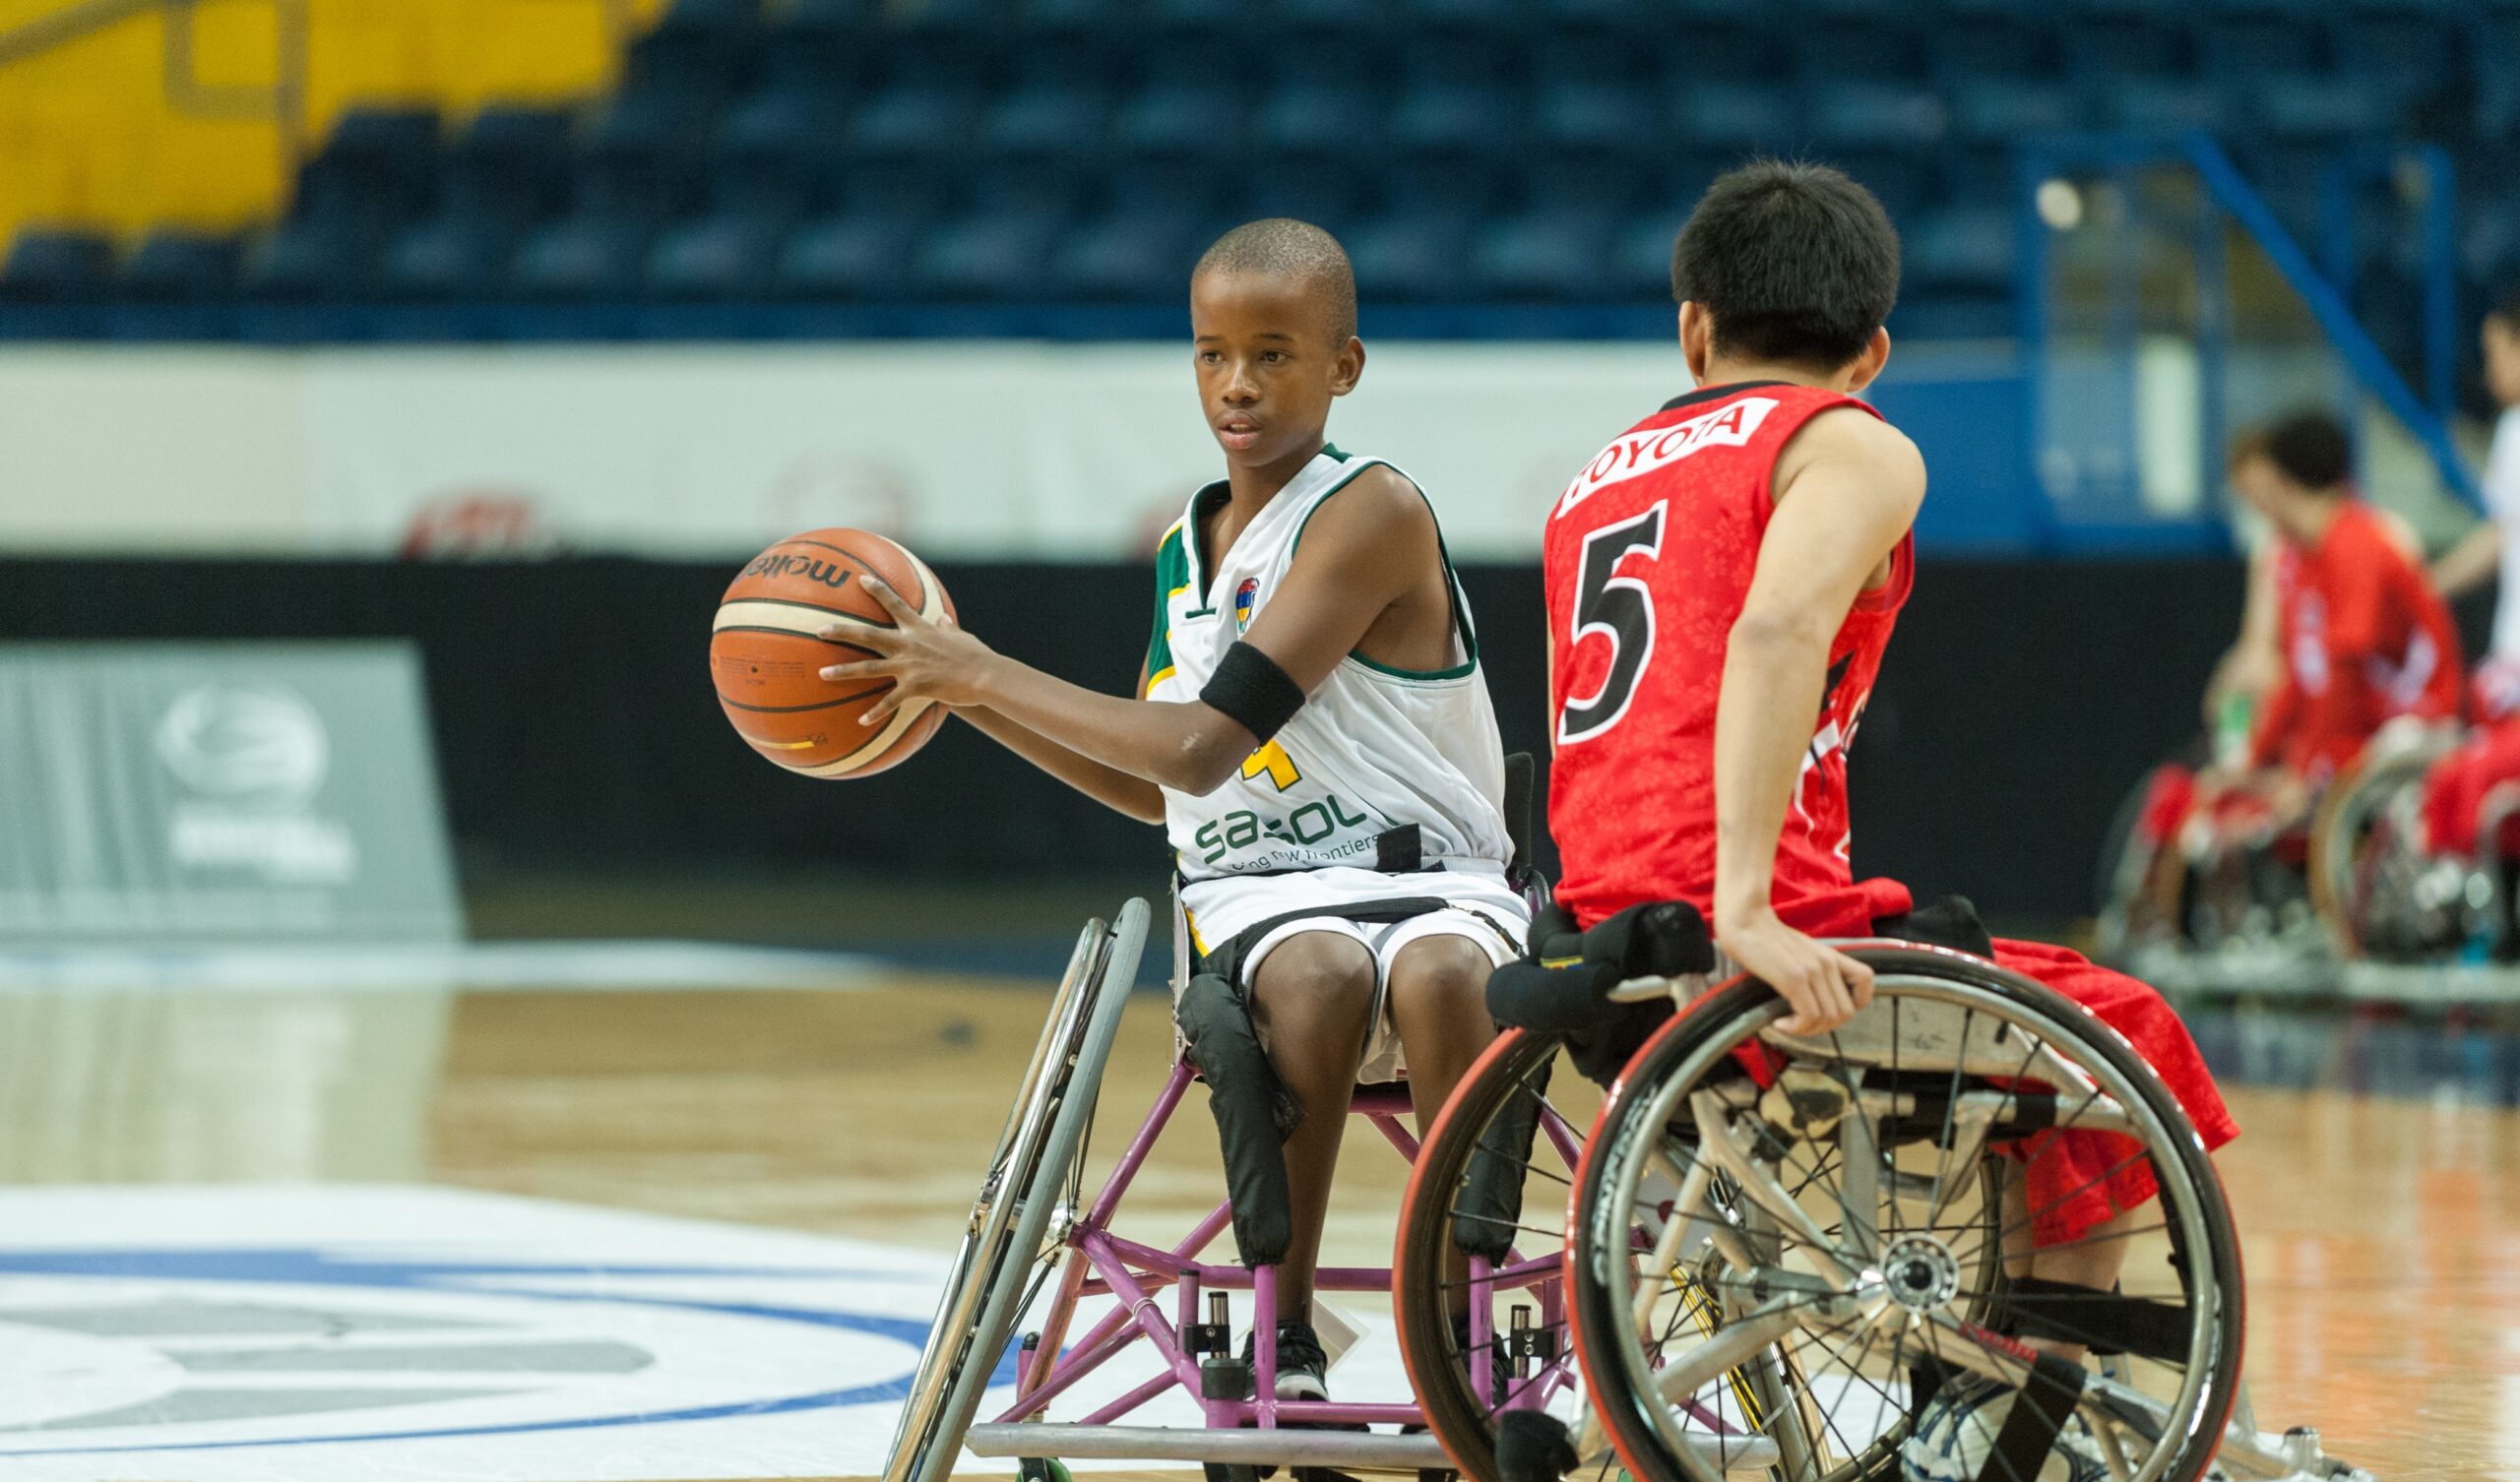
(1808, 1306)
(1010, 1225)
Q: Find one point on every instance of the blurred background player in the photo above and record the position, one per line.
(1315, 733)
(2455, 791)
(1722, 573)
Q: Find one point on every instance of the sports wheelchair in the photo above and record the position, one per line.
(1042, 1249)
(2351, 881)
(1783, 1248)
(1777, 1252)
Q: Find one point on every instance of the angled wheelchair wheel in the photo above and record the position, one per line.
(1010, 1248)
(2371, 883)
(1842, 1215)
(1483, 1227)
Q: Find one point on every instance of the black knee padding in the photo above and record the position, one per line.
(1601, 1052)
(1489, 1205)
(1253, 1108)
(1532, 1446)
(1526, 995)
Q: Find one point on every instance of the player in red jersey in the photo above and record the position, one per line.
(2363, 638)
(1724, 573)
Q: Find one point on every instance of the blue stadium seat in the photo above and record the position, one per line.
(1965, 250)
(378, 167)
(2490, 244)
(2156, 106)
(57, 266)
(1639, 266)
(1416, 257)
(845, 257)
(2114, 46)
(955, 15)
(1134, 256)
(993, 255)
(2314, 107)
(1087, 16)
(2243, 45)
(792, 120)
(510, 163)
(449, 257)
(583, 256)
(1878, 116)
(2006, 41)
(1326, 114)
(829, 23)
(1736, 116)
(717, 256)
(1997, 109)
(307, 259)
(185, 267)
(917, 118)
(1456, 115)
(1604, 114)
(2404, 54)
(1326, 190)
(1172, 115)
(1543, 255)
(1470, 184)
(1046, 116)
(1886, 50)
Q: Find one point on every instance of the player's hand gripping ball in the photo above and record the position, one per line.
(803, 605)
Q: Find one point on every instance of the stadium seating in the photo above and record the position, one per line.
(1077, 151)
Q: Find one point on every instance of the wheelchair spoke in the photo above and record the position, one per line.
(1950, 1110)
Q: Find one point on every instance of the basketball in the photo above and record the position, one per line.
(766, 654)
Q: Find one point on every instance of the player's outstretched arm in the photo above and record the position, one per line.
(1847, 490)
(1113, 788)
(1352, 566)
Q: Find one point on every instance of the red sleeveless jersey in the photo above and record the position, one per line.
(1649, 558)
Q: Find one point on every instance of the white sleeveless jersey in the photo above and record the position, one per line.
(1373, 752)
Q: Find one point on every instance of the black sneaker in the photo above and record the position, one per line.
(1301, 1361)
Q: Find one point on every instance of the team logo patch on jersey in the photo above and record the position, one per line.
(1245, 598)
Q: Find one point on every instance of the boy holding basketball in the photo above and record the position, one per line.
(1314, 731)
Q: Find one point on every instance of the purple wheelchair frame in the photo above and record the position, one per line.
(1136, 1274)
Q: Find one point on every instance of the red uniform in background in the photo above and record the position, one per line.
(2365, 640)
(1649, 558)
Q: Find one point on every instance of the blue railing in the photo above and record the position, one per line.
(2228, 198)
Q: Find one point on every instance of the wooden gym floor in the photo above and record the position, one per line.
(2383, 1234)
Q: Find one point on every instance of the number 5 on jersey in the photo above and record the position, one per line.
(1619, 608)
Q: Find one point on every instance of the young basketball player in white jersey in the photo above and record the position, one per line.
(1314, 731)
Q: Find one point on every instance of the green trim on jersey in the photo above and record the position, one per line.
(1172, 576)
(1452, 579)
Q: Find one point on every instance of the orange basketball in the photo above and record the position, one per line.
(766, 656)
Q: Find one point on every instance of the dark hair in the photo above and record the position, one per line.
(2309, 446)
(1284, 247)
(1795, 264)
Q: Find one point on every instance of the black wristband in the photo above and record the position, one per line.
(1249, 688)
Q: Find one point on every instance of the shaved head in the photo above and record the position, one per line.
(1296, 251)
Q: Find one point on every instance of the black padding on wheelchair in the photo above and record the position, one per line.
(1949, 922)
(2031, 1307)
(1489, 1208)
(1533, 1445)
(1255, 1113)
(2039, 1412)
(1563, 985)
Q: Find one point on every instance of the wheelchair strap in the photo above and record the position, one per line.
(2103, 1321)
(2039, 1415)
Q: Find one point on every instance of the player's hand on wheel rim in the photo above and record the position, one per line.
(1822, 987)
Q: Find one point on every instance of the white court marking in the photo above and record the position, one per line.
(472, 966)
(274, 1333)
